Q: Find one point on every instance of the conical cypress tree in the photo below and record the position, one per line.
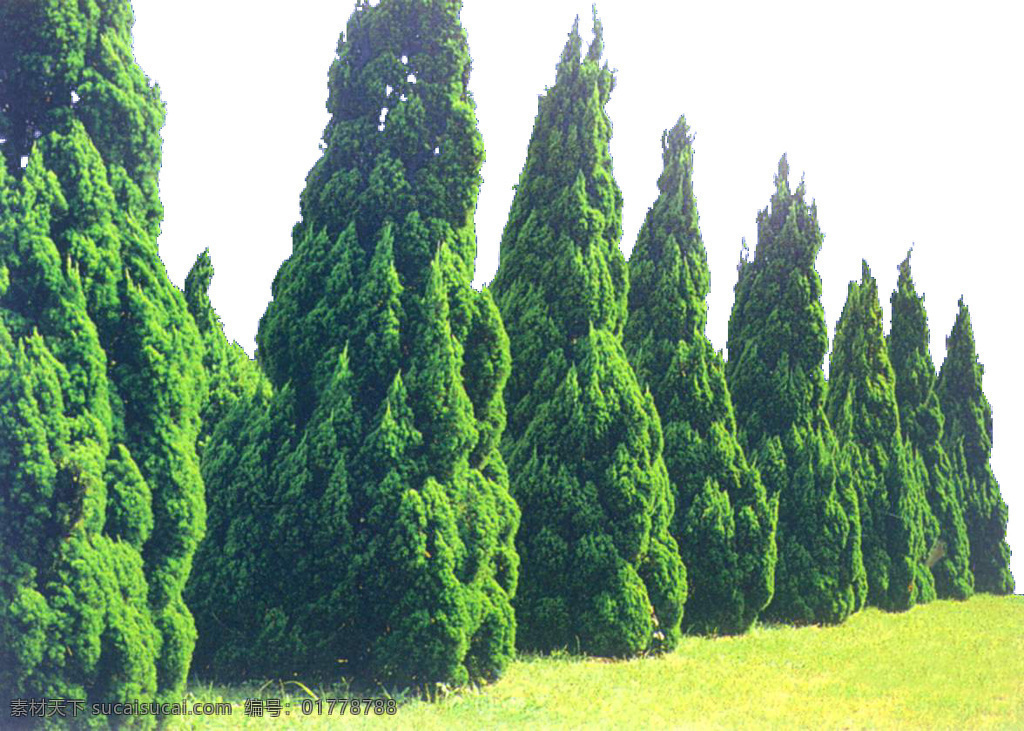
(600, 571)
(372, 471)
(724, 524)
(897, 526)
(922, 425)
(230, 373)
(101, 503)
(777, 343)
(968, 440)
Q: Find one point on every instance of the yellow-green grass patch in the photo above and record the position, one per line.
(946, 665)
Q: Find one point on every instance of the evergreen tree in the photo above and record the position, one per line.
(230, 373)
(968, 440)
(897, 526)
(362, 513)
(601, 572)
(723, 523)
(777, 343)
(101, 502)
(922, 425)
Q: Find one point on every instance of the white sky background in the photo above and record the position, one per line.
(906, 118)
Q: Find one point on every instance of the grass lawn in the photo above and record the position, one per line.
(946, 665)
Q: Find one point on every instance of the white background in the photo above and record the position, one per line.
(906, 118)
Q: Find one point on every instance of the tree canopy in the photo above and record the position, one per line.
(601, 572)
(777, 343)
(968, 440)
(101, 380)
(897, 527)
(724, 523)
(922, 425)
(363, 514)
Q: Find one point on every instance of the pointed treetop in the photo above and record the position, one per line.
(202, 270)
(960, 377)
(904, 269)
(782, 178)
(197, 288)
(675, 139)
(568, 207)
(786, 198)
(962, 324)
(905, 284)
(909, 329)
(677, 157)
(867, 281)
(596, 48)
(570, 59)
(962, 334)
(669, 279)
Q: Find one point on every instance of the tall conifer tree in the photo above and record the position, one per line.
(600, 571)
(922, 424)
(724, 523)
(777, 343)
(362, 509)
(897, 526)
(101, 503)
(968, 441)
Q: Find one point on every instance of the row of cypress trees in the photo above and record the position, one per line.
(359, 515)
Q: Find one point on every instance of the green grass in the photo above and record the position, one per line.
(946, 665)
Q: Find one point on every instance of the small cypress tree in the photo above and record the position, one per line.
(101, 503)
(372, 470)
(230, 373)
(777, 343)
(897, 526)
(922, 425)
(724, 524)
(968, 441)
(601, 572)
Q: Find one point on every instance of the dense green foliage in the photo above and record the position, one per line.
(968, 441)
(600, 570)
(360, 516)
(897, 526)
(922, 425)
(723, 522)
(231, 375)
(777, 343)
(101, 381)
